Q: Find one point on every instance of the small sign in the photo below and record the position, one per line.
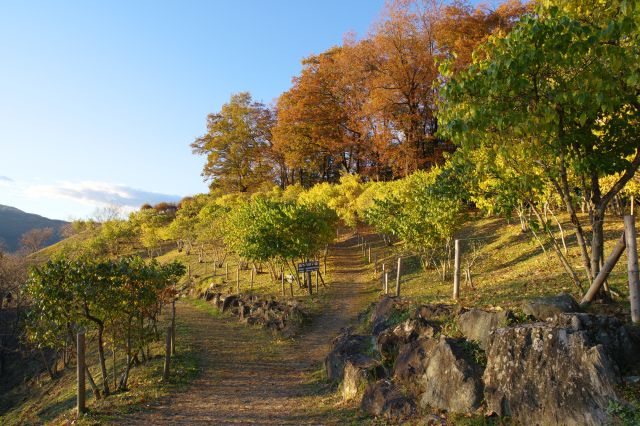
(310, 266)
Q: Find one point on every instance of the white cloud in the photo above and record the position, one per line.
(99, 193)
(5, 181)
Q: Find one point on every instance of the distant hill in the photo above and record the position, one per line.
(15, 222)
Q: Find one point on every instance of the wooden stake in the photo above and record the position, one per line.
(173, 327)
(321, 280)
(81, 406)
(167, 357)
(369, 254)
(386, 283)
(398, 276)
(605, 271)
(456, 271)
(282, 280)
(632, 267)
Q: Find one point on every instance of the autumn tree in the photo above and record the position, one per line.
(34, 239)
(318, 129)
(236, 145)
(461, 27)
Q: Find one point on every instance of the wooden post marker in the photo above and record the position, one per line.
(398, 276)
(282, 280)
(306, 268)
(605, 271)
(81, 406)
(369, 254)
(632, 267)
(167, 357)
(456, 271)
(173, 327)
(386, 283)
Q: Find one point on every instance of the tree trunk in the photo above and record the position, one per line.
(563, 260)
(46, 364)
(597, 241)
(103, 361)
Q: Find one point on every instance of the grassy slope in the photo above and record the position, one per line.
(204, 276)
(511, 266)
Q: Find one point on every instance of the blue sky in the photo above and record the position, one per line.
(99, 101)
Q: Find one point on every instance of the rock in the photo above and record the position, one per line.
(477, 324)
(416, 328)
(358, 371)
(389, 340)
(620, 341)
(345, 347)
(229, 302)
(387, 343)
(452, 379)
(546, 307)
(243, 310)
(381, 314)
(442, 373)
(435, 310)
(540, 374)
(411, 361)
(383, 399)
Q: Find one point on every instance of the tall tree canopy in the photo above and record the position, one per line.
(235, 145)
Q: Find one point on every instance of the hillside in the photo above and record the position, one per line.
(14, 223)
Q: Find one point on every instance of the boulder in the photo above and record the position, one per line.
(384, 399)
(381, 314)
(229, 302)
(477, 324)
(621, 341)
(541, 374)
(243, 311)
(411, 362)
(546, 307)
(435, 310)
(345, 347)
(451, 380)
(442, 373)
(358, 371)
(389, 341)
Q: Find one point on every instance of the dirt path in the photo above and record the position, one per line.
(246, 378)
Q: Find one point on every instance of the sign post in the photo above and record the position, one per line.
(307, 268)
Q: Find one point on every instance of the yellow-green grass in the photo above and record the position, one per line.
(511, 265)
(204, 275)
